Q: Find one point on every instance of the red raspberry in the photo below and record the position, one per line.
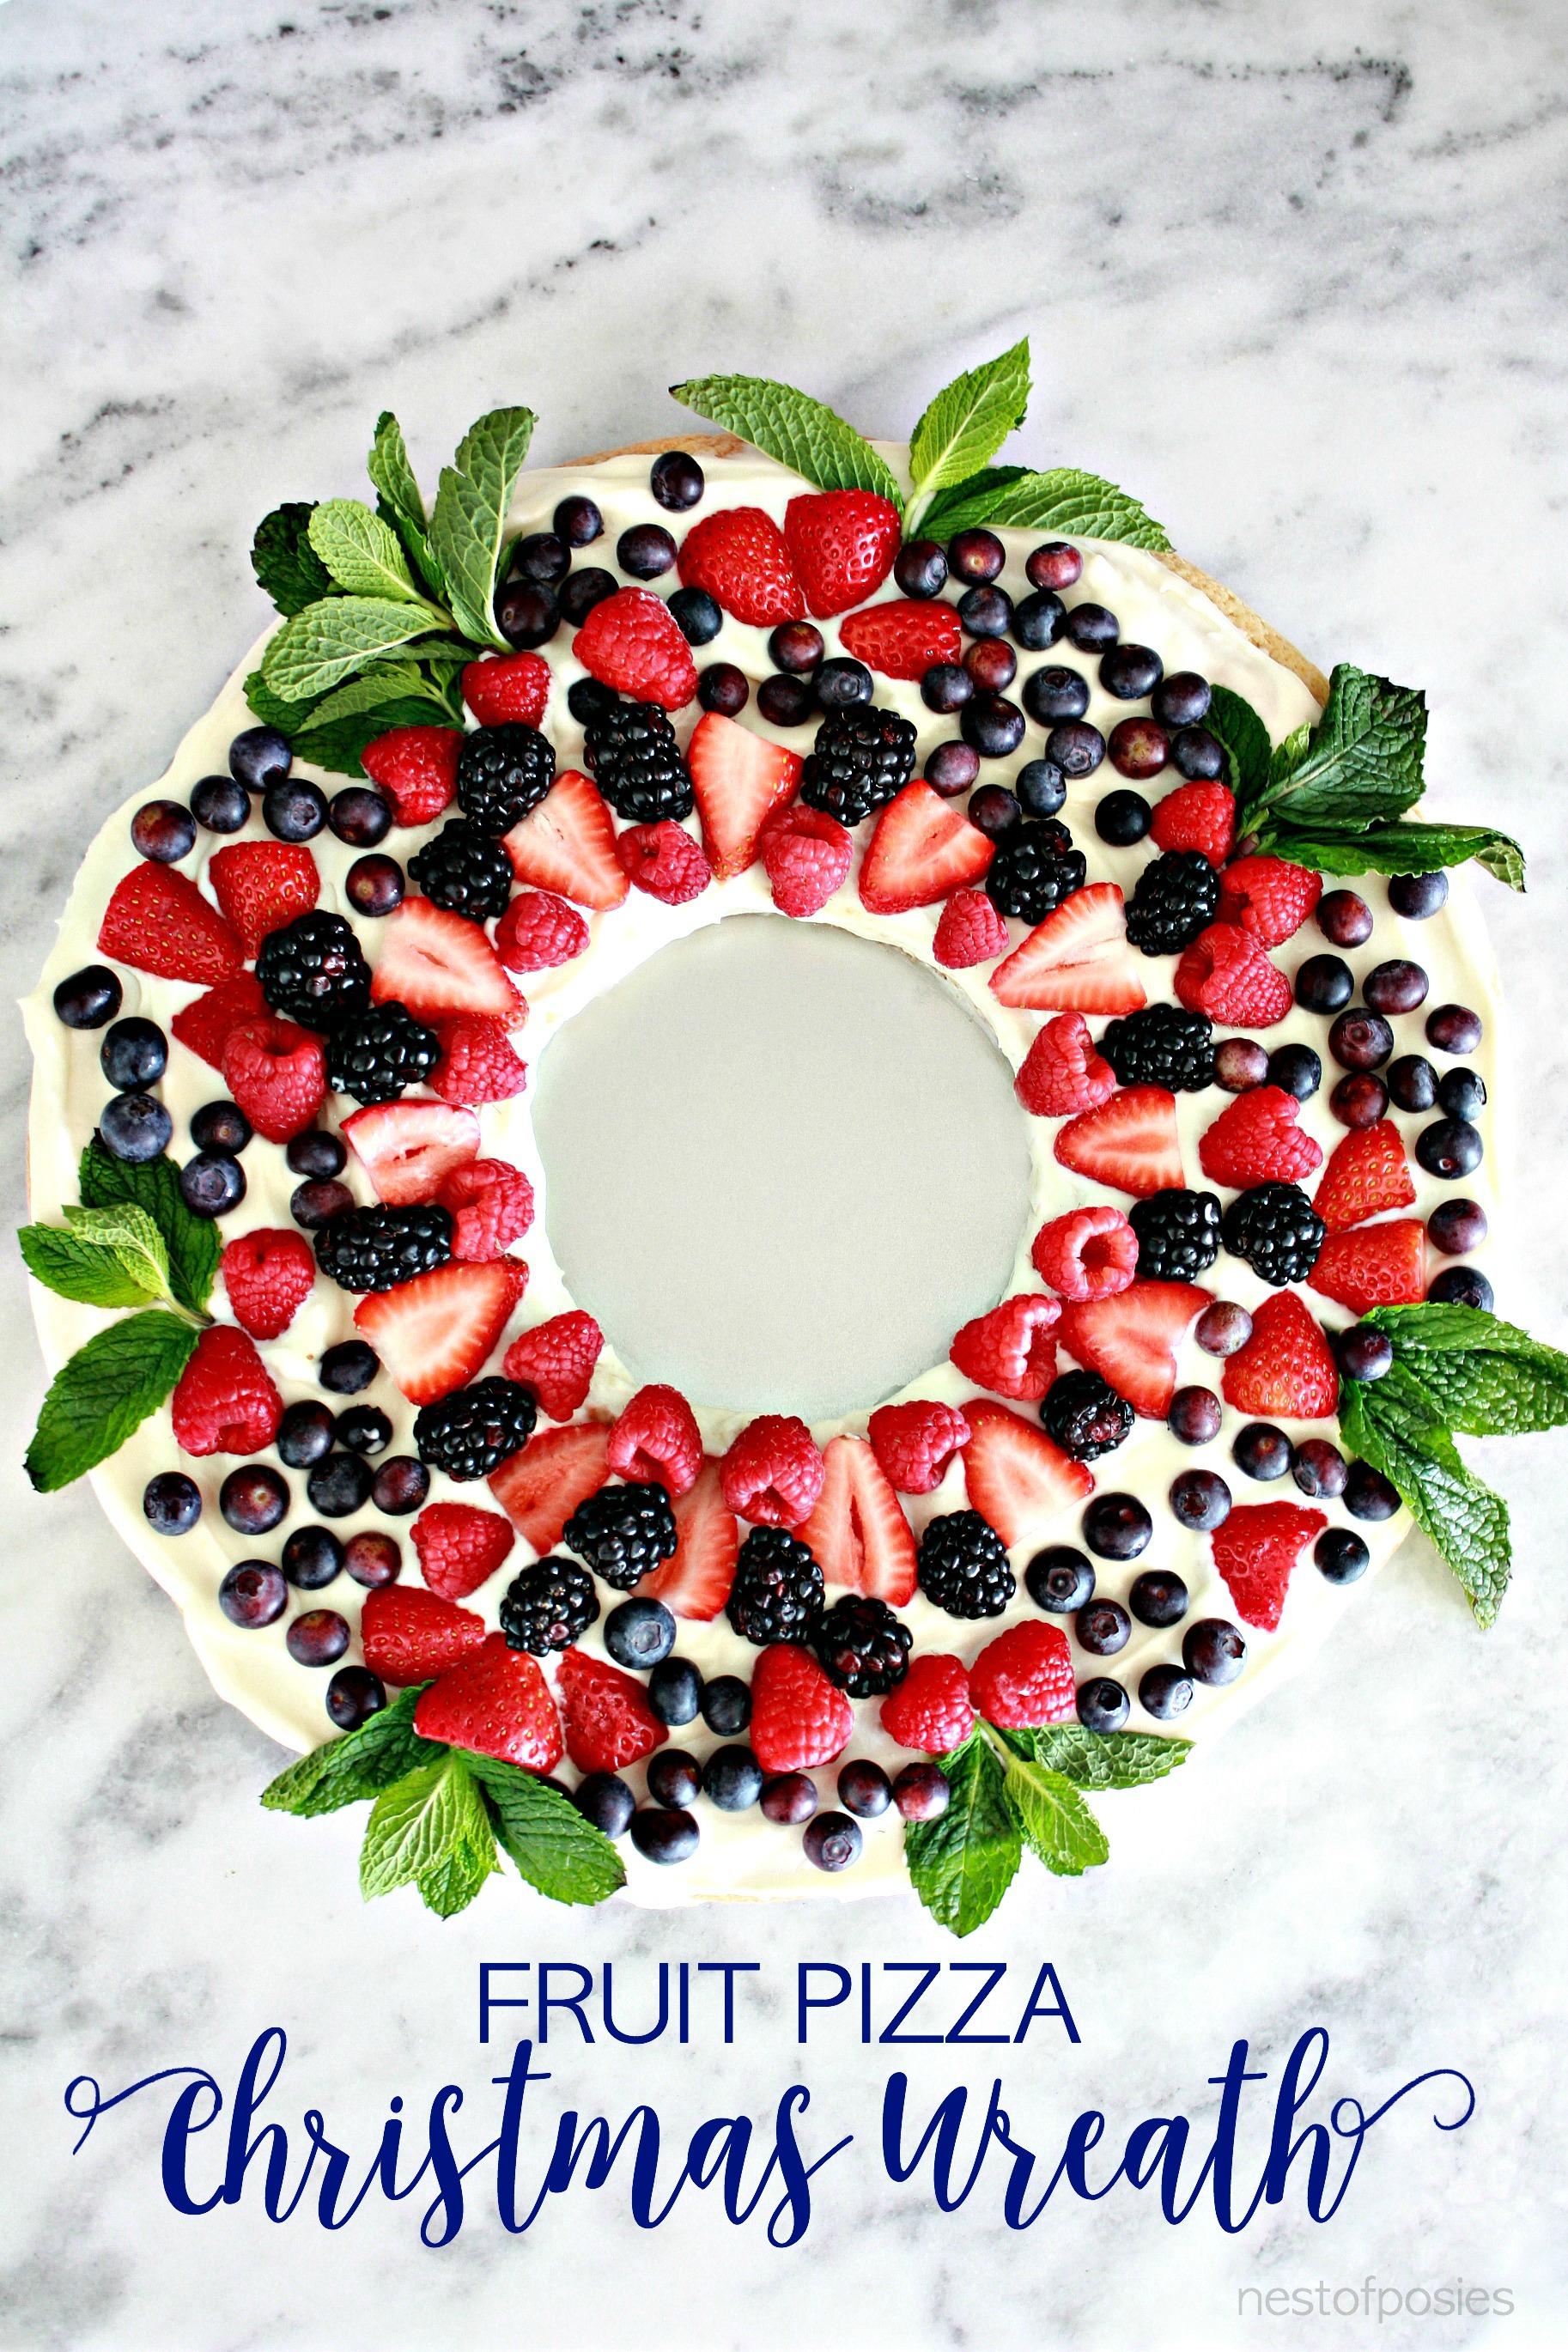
(1226, 974)
(515, 686)
(632, 641)
(1011, 1351)
(491, 1206)
(1025, 1677)
(772, 1472)
(204, 1025)
(268, 1274)
(556, 1360)
(1196, 816)
(538, 931)
(478, 1064)
(497, 1703)
(805, 855)
(417, 770)
(902, 639)
(226, 1402)
(798, 1716)
(740, 556)
(1268, 896)
(656, 1438)
(969, 931)
(157, 919)
(1062, 1073)
(1255, 1141)
(932, 1708)
(664, 860)
(460, 1546)
(410, 1636)
(609, 1722)
(1089, 1254)
(916, 1442)
(277, 1073)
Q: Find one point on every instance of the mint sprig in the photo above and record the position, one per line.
(192, 1244)
(800, 432)
(468, 528)
(964, 426)
(103, 1393)
(100, 1257)
(962, 1863)
(399, 500)
(1235, 725)
(380, 1751)
(284, 561)
(363, 554)
(1065, 501)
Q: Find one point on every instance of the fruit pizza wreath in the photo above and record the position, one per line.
(495, 752)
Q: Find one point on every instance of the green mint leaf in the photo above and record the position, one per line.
(468, 529)
(103, 1393)
(192, 1242)
(1065, 501)
(1409, 846)
(1107, 1760)
(1233, 721)
(327, 641)
(390, 474)
(365, 557)
(419, 1822)
(1395, 1425)
(1362, 765)
(273, 711)
(1484, 1376)
(129, 1233)
(968, 421)
(451, 1884)
(559, 1852)
(1058, 1826)
(1286, 757)
(968, 503)
(284, 561)
(87, 1272)
(372, 690)
(383, 1748)
(790, 426)
(962, 1865)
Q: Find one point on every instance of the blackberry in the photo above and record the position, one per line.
(1276, 1230)
(375, 1249)
(470, 1432)
(1084, 1415)
(962, 1565)
(861, 757)
(863, 1647)
(1177, 897)
(378, 1052)
(1162, 1046)
(1035, 867)
(777, 1592)
(623, 1532)
(547, 1605)
(464, 871)
(1178, 1234)
(502, 772)
(631, 753)
(313, 971)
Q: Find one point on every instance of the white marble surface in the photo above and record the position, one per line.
(1297, 276)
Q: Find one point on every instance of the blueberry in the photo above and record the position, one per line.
(294, 809)
(172, 1503)
(1344, 918)
(317, 1638)
(723, 687)
(841, 683)
(337, 1486)
(864, 1789)
(314, 1204)
(1398, 986)
(789, 1797)
(945, 687)
(260, 756)
(1102, 1704)
(1363, 1352)
(1417, 896)
(1261, 1450)
(1239, 1064)
(304, 1434)
(1122, 818)
(1055, 563)
(1076, 747)
(993, 726)
(832, 1842)
(640, 1634)
(645, 550)
(316, 1154)
(164, 831)
(796, 647)
(581, 591)
(677, 480)
(1319, 1468)
(1199, 1499)
(352, 1695)
(363, 1429)
(675, 1691)
(253, 1594)
(1295, 1070)
(604, 1800)
(1117, 1527)
(1054, 694)
(1182, 699)
(578, 521)
(400, 1485)
(733, 1779)
(88, 997)
(1214, 1651)
(1093, 629)
(1361, 1040)
(922, 1793)
(358, 816)
(220, 1126)
(1159, 1597)
(542, 557)
(1198, 756)
(920, 569)
(1359, 1099)
(1139, 748)
(211, 1184)
(373, 1559)
(1223, 1327)
(1324, 983)
(527, 614)
(726, 1705)
(664, 1837)
(220, 805)
(1102, 1629)
(1462, 1285)
(1461, 1092)
(313, 1557)
(1194, 1416)
(975, 555)
(375, 886)
(135, 1128)
(1411, 1082)
(1449, 1148)
(1454, 1029)
(994, 811)
(986, 612)
(1037, 620)
(1130, 672)
(254, 1500)
(1165, 1693)
(786, 701)
(951, 769)
(1456, 1226)
(585, 698)
(992, 663)
(1368, 1494)
(1342, 1554)
(134, 1055)
(1060, 1579)
(1041, 787)
(696, 614)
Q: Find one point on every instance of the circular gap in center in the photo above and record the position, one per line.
(782, 1165)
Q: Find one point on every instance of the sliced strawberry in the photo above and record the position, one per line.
(739, 779)
(158, 921)
(204, 1025)
(410, 1636)
(497, 1703)
(540, 1487)
(556, 1362)
(417, 770)
(1287, 1366)
(438, 964)
(1062, 1072)
(1131, 1340)
(1376, 1266)
(1014, 1477)
(460, 1546)
(843, 543)
(1367, 1173)
(858, 1532)
(262, 885)
(432, 1334)
(1254, 1551)
(609, 1723)
(740, 556)
(922, 848)
(902, 639)
(696, 1580)
(1255, 1141)
(568, 844)
(512, 687)
(411, 1148)
(1077, 961)
(1130, 1142)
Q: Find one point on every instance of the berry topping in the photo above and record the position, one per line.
(268, 1274)
(434, 1331)
(969, 931)
(843, 543)
(411, 1636)
(623, 1531)
(470, 1432)
(277, 1073)
(261, 886)
(1177, 1235)
(632, 641)
(374, 1054)
(1196, 816)
(495, 1702)
(464, 870)
(964, 1567)
(1131, 1339)
(738, 778)
(547, 1605)
(798, 1718)
(568, 844)
(1276, 1230)
(1255, 1141)
(373, 1249)
(1014, 1475)
(1366, 1173)
(1010, 1351)
(1034, 869)
(435, 964)
(1267, 897)
(773, 1473)
(1062, 1072)
(697, 1581)
(492, 1206)
(409, 1148)
(158, 921)
(777, 1593)
(1130, 1142)
(477, 1062)
(861, 757)
(539, 931)
(1174, 898)
(460, 1547)
(1256, 1550)
(631, 750)
(1084, 1416)
(922, 850)
(555, 1359)
(663, 860)
(864, 1648)
(1077, 961)
(916, 1442)
(1376, 1266)
(226, 1402)
(510, 691)
(1226, 974)
(931, 1709)
(656, 1437)
(417, 769)
(1024, 1678)
(502, 772)
(1089, 1254)
(903, 640)
(540, 1487)
(743, 560)
(806, 856)
(1286, 1367)
(857, 1531)
(1160, 1046)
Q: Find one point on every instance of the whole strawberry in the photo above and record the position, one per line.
(497, 1703)
(902, 640)
(609, 1723)
(1286, 1368)
(740, 557)
(203, 1024)
(843, 543)
(158, 921)
(1025, 1677)
(1254, 1551)
(932, 1708)
(410, 1636)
